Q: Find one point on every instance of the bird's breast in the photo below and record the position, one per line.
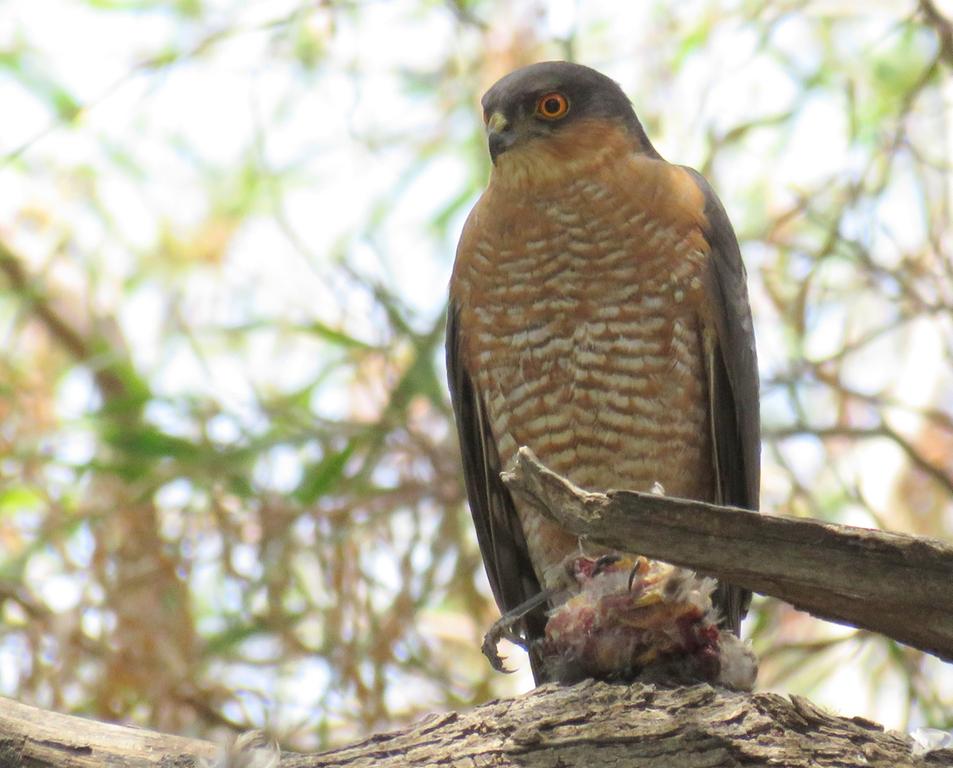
(582, 333)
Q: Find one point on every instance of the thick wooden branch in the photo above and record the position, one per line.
(620, 726)
(40, 739)
(630, 727)
(894, 584)
(634, 726)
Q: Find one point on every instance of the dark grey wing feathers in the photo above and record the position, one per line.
(498, 529)
(736, 420)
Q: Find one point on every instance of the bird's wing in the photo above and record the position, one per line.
(498, 528)
(733, 380)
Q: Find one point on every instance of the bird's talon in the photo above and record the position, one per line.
(604, 562)
(640, 567)
(632, 574)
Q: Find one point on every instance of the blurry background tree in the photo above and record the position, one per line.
(229, 489)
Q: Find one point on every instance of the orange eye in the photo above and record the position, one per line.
(552, 106)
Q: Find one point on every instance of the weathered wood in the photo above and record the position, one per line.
(37, 738)
(589, 724)
(586, 725)
(890, 583)
(636, 726)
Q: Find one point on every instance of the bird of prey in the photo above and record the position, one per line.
(598, 315)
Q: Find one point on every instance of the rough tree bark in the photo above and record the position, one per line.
(586, 725)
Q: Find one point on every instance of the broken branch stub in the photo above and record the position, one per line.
(890, 583)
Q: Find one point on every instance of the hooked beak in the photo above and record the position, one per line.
(500, 135)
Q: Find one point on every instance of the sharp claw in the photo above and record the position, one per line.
(641, 566)
(491, 640)
(504, 628)
(489, 650)
(632, 575)
(604, 562)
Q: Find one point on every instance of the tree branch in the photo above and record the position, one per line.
(889, 583)
(942, 26)
(623, 726)
(40, 739)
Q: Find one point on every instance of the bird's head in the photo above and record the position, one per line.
(553, 117)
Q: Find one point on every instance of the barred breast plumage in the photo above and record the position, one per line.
(581, 312)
